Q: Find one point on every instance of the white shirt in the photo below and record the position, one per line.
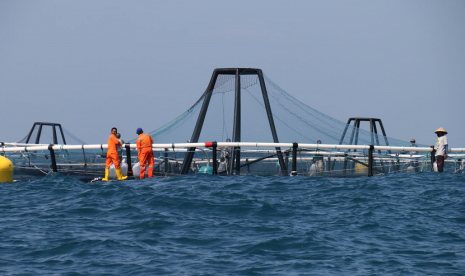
(441, 146)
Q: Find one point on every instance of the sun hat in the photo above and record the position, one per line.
(441, 130)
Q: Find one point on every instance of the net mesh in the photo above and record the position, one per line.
(89, 164)
(294, 122)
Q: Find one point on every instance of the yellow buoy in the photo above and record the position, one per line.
(6, 170)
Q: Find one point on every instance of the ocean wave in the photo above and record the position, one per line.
(240, 225)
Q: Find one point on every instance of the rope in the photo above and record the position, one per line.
(29, 160)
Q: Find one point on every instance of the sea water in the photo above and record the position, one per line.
(397, 224)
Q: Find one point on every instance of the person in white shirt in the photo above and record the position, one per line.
(441, 148)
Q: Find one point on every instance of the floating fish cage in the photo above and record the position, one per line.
(239, 104)
(87, 162)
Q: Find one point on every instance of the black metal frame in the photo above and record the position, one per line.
(235, 162)
(373, 130)
(40, 124)
(356, 129)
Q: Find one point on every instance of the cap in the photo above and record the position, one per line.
(441, 130)
(139, 131)
(412, 140)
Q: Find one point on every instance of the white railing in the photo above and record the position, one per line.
(12, 147)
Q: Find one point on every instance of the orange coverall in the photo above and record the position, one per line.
(145, 153)
(112, 153)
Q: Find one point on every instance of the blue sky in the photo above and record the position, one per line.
(91, 65)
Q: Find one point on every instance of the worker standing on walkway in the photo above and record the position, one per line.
(441, 148)
(112, 156)
(145, 152)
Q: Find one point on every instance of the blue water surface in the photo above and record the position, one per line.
(397, 224)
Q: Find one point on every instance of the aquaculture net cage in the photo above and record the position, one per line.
(242, 105)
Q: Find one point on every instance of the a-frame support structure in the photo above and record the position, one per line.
(356, 129)
(39, 126)
(235, 163)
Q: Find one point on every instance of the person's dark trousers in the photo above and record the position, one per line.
(440, 162)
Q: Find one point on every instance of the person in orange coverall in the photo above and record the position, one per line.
(145, 152)
(112, 156)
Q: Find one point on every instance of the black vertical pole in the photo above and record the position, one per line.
(236, 154)
(30, 133)
(52, 157)
(352, 165)
(166, 161)
(344, 132)
(266, 100)
(215, 161)
(376, 134)
(372, 131)
(38, 134)
(294, 158)
(356, 133)
(377, 142)
(62, 135)
(128, 156)
(198, 126)
(55, 140)
(375, 130)
(353, 132)
(370, 160)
